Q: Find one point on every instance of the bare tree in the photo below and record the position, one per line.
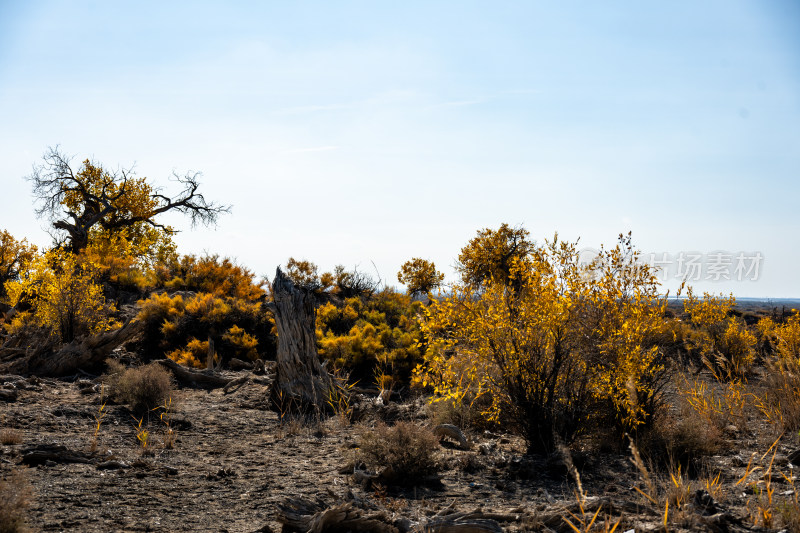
(105, 200)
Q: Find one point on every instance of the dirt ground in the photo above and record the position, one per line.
(233, 463)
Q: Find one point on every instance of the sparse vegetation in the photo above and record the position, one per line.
(141, 388)
(529, 343)
(15, 497)
(403, 454)
(10, 436)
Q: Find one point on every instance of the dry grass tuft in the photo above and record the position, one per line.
(781, 406)
(15, 497)
(10, 436)
(404, 453)
(141, 388)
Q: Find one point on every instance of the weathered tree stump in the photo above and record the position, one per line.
(302, 385)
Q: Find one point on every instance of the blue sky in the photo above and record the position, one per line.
(368, 133)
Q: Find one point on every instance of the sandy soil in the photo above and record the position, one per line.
(233, 463)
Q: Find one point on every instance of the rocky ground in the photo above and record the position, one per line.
(234, 465)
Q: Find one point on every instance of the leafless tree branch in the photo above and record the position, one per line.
(53, 180)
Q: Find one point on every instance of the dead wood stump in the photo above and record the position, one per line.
(302, 385)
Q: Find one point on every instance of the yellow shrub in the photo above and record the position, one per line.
(64, 295)
(210, 274)
(242, 343)
(239, 327)
(709, 311)
(120, 259)
(362, 333)
(549, 341)
(725, 344)
(15, 258)
(738, 348)
(193, 355)
(207, 307)
(788, 337)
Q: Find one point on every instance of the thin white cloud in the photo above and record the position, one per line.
(459, 103)
(301, 110)
(313, 149)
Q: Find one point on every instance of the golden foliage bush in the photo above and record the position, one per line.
(127, 261)
(15, 258)
(304, 273)
(64, 296)
(492, 254)
(787, 337)
(724, 343)
(419, 276)
(193, 355)
(361, 333)
(221, 277)
(240, 343)
(781, 402)
(551, 345)
(239, 327)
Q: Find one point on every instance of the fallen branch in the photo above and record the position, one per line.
(453, 432)
(87, 352)
(204, 378)
(42, 453)
(475, 525)
(554, 517)
(238, 382)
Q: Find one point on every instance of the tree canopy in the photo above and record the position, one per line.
(97, 202)
(420, 276)
(492, 254)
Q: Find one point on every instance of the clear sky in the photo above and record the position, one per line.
(374, 132)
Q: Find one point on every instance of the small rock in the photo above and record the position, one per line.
(780, 460)
(404, 524)
(112, 465)
(738, 461)
(8, 395)
(486, 448)
(794, 457)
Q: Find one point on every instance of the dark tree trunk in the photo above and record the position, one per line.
(302, 385)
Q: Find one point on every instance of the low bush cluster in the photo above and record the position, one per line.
(140, 388)
(404, 454)
(365, 335)
(180, 326)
